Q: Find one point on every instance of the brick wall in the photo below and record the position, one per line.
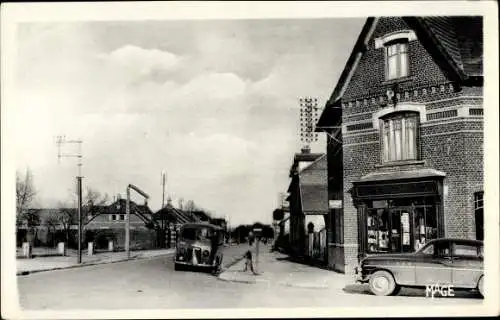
(451, 142)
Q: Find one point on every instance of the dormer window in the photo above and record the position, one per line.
(396, 60)
(395, 44)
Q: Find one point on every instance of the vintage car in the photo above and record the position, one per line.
(446, 261)
(199, 245)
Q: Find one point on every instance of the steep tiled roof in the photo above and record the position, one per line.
(455, 44)
(458, 39)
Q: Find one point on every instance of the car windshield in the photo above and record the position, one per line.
(197, 233)
(427, 249)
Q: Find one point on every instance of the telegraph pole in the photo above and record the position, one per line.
(308, 119)
(60, 140)
(127, 224)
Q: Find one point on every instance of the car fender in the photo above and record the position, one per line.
(383, 269)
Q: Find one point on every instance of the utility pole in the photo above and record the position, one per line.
(163, 176)
(60, 140)
(127, 224)
(163, 223)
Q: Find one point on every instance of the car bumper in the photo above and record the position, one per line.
(195, 265)
(358, 275)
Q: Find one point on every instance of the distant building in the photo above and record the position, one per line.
(405, 137)
(308, 198)
(114, 216)
(168, 220)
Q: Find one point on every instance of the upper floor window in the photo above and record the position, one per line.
(396, 60)
(399, 137)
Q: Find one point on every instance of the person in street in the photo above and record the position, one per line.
(249, 262)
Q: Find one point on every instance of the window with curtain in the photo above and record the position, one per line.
(399, 137)
(396, 60)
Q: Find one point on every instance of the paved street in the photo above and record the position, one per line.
(153, 284)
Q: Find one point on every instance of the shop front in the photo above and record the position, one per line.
(398, 212)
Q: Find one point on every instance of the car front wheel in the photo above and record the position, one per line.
(382, 283)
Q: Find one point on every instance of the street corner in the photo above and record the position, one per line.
(236, 273)
(238, 276)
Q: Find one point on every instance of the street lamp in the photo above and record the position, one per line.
(127, 211)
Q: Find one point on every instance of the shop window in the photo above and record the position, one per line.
(479, 215)
(399, 137)
(396, 60)
(400, 226)
(378, 230)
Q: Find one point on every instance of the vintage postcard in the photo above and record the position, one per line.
(241, 159)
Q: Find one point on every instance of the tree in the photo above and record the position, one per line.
(25, 194)
(66, 217)
(92, 202)
(190, 206)
(52, 221)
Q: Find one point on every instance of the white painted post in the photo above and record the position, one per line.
(27, 252)
(61, 248)
(90, 250)
(111, 245)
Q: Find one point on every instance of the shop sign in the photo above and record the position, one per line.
(335, 204)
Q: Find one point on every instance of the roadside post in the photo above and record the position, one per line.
(258, 234)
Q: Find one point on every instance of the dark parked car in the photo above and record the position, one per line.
(456, 262)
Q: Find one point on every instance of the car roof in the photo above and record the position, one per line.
(459, 240)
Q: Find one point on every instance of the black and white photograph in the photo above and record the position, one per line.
(239, 159)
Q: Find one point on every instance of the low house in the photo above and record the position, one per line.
(168, 220)
(114, 216)
(308, 197)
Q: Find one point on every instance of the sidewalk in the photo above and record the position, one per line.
(275, 269)
(39, 264)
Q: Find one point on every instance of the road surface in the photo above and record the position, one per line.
(153, 284)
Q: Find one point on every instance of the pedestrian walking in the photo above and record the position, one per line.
(249, 262)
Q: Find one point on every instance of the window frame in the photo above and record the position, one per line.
(401, 46)
(387, 147)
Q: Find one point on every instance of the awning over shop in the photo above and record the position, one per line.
(313, 184)
(380, 185)
(400, 175)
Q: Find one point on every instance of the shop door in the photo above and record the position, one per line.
(400, 229)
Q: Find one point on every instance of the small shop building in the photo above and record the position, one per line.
(404, 126)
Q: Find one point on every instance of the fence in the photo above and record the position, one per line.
(316, 245)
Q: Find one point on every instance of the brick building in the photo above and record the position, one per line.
(114, 215)
(405, 137)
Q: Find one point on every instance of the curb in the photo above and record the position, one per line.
(25, 273)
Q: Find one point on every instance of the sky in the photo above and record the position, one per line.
(215, 104)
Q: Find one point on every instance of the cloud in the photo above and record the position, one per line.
(141, 61)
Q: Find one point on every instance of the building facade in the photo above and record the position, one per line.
(406, 122)
(308, 198)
